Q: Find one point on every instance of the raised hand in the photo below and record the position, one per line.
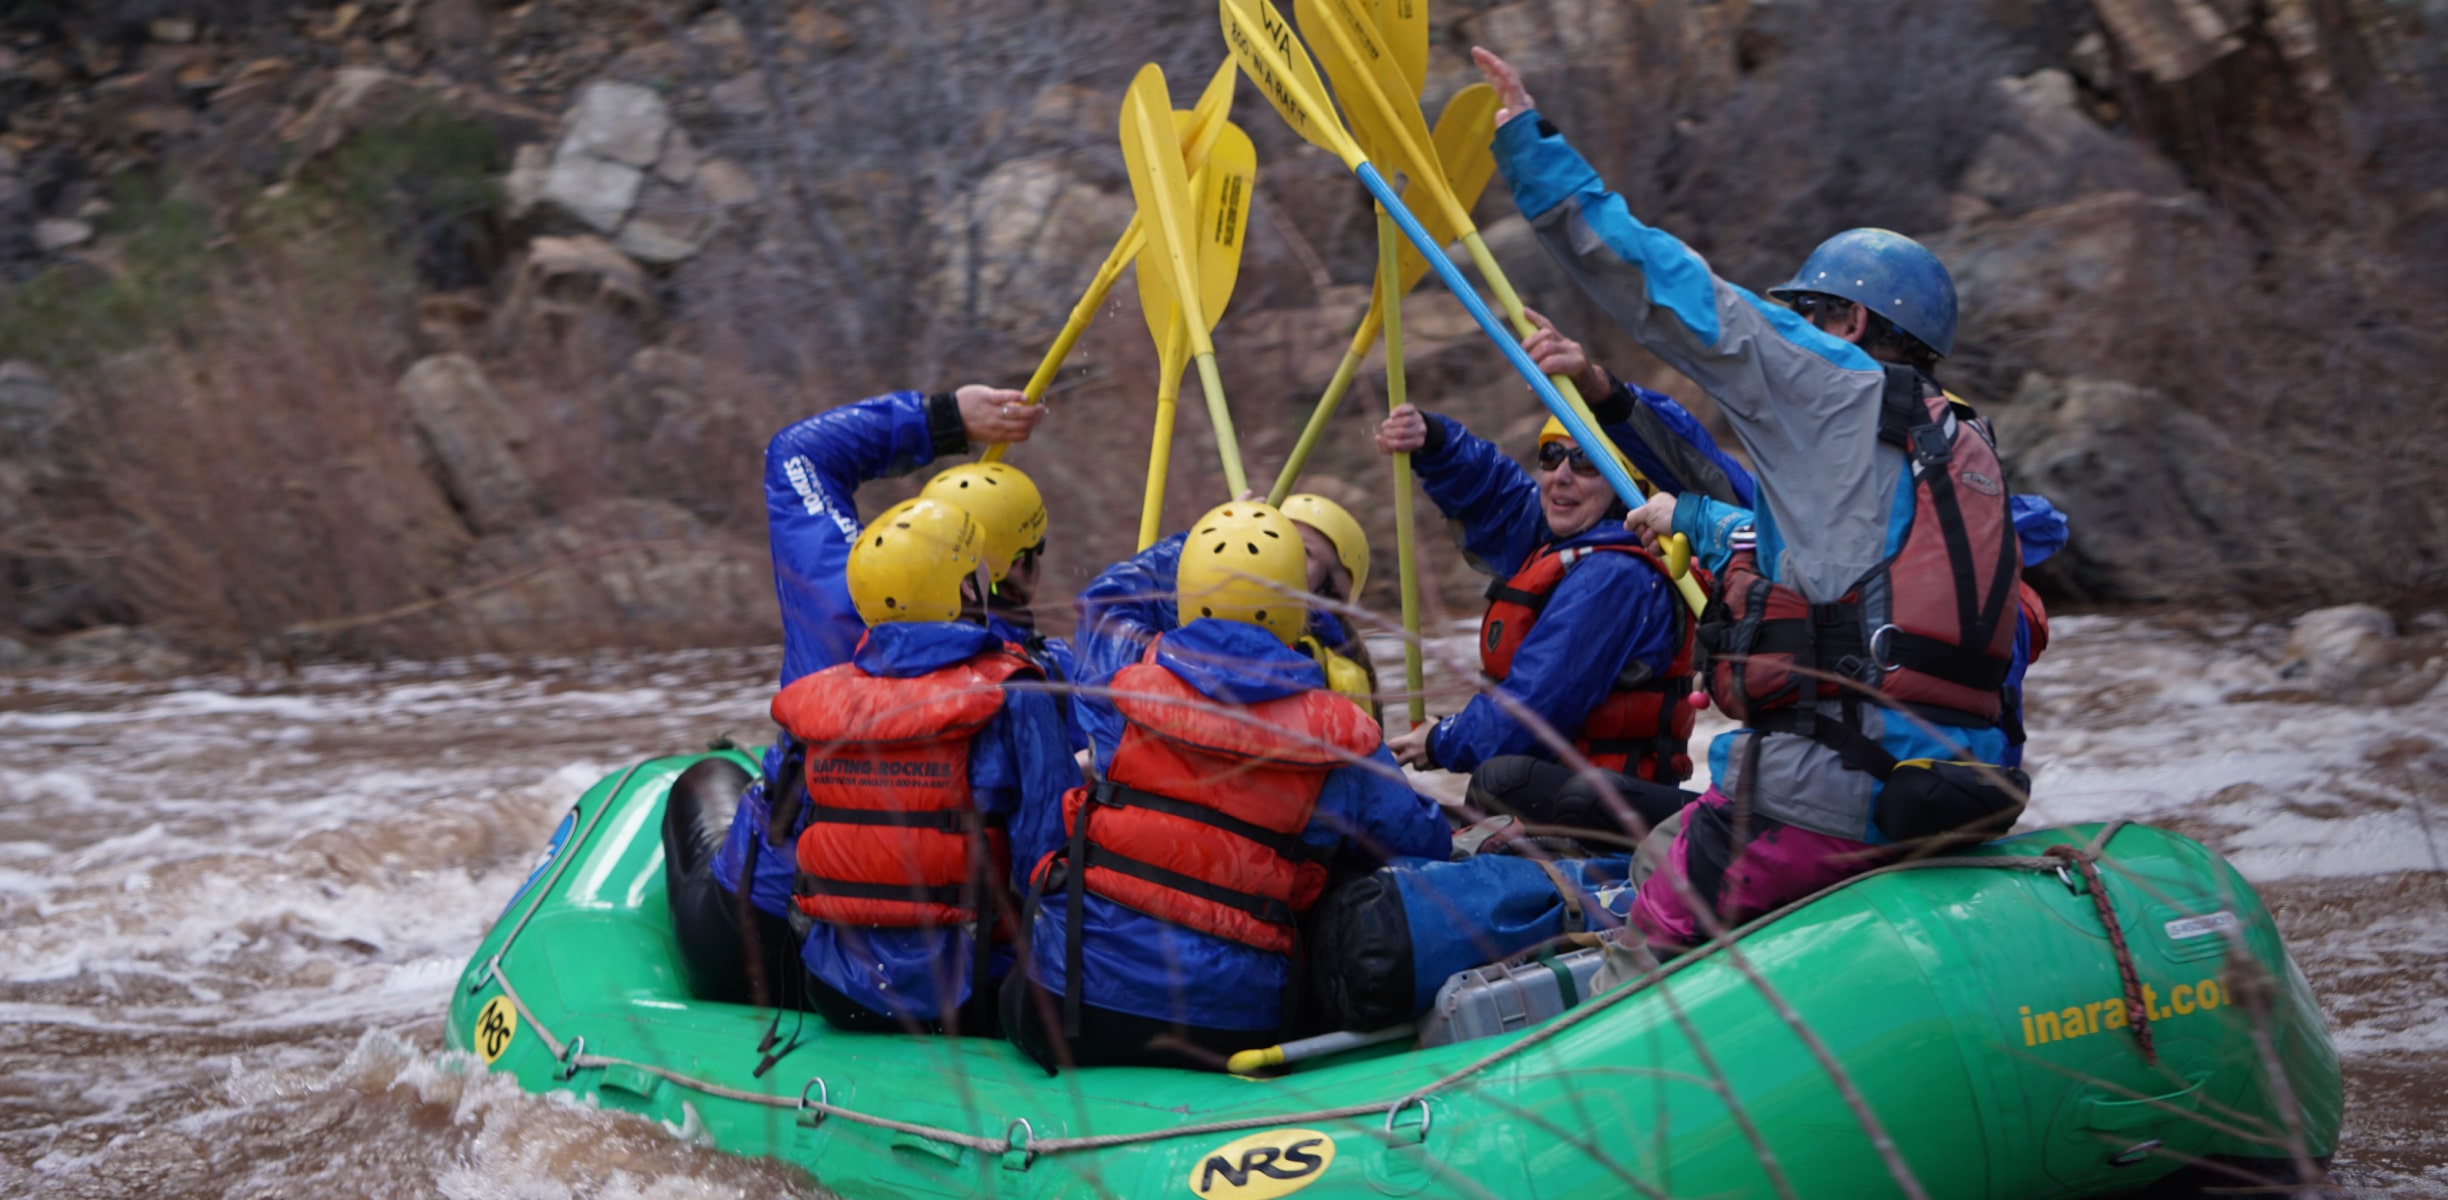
(1403, 431)
(992, 414)
(1559, 355)
(1510, 94)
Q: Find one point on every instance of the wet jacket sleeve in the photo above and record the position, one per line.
(1609, 611)
(2038, 526)
(1803, 403)
(1378, 814)
(1710, 525)
(1671, 446)
(1482, 490)
(812, 471)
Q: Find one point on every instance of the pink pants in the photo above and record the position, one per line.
(1776, 866)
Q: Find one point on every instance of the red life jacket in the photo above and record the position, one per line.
(1928, 629)
(1642, 727)
(893, 837)
(1199, 819)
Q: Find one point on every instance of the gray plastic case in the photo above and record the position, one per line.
(1486, 1001)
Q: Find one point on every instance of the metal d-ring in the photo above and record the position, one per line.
(569, 1058)
(1028, 1137)
(2134, 1154)
(824, 1100)
(1881, 640)
(2065, 875)
(1426, 1114)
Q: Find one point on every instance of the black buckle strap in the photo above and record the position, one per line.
(1500, 593)
(786, 793)
(1962, 665)
(1851, 745)
(950, 897)
(1265, 908)
(942, 820)
(1284, 845)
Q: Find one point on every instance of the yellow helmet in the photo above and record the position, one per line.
(1244, 562)
(1554, 431)
(1329, 518)
(1003, 501)
(907, 565)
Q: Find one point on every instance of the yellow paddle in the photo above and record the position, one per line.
(1223, 187)
(1463, 136)
(1150, 151)
(1678, 553)
(1262, 43)
(1370, 81)
(1207, 118)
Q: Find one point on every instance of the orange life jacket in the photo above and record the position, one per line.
(1200, 817)
(1642, 727)
(1928, 629)
(893, 837)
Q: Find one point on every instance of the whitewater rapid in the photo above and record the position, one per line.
(232, 907)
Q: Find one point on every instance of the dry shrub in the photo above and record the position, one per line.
(254, 471)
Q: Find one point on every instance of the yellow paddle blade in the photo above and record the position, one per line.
(1377, 98)
(1224, 186)
(1155, 300)
(1207, 117)
(1261, 42)
(1405, 25)
(1465, 144)
(1151, 149)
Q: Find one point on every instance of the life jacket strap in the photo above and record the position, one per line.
(1284, 845)
(942, 820)
(1499, 593)
(1265, 908)
(1955, 664)
(1855, 748)
(953, 896)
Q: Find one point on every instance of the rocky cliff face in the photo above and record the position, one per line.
(541, 277)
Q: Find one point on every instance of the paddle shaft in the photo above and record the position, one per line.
(1567, 412)
(1124, 250)
(1326, 405)
(1406, 544)
(1511, 303)
(1160, 446)
(1228, 446)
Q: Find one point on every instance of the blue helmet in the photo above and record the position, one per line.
(1887, 273)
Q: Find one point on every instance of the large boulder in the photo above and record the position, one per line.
(2060, 282)
(1027, 238)
(613, 134)
(2161, 502)
(473, 436)
(2051, 151)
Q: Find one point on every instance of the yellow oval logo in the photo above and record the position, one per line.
(1278, 1162)
(495, 1026)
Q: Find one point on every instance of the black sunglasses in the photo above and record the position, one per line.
(1808, 303)
(1555, 454)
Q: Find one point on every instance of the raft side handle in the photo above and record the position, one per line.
(1426, 1114)
(824, 1100)
(569, 1057)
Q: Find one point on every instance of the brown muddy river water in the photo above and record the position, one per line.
(232, 908)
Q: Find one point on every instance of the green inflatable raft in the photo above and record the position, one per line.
(1973, 1008)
